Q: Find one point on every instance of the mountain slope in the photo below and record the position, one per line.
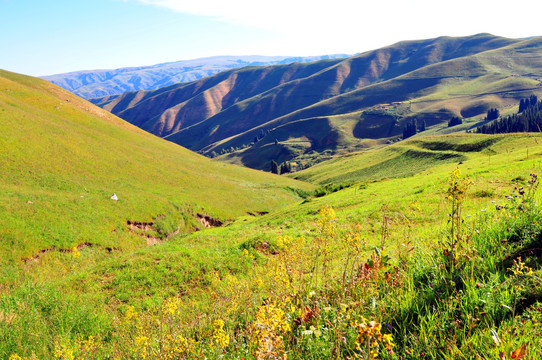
(465, 87)
(362, 100)
(62, 159)
(95, 83)
(173, 108)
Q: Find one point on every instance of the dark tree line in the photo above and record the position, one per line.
(492, 114)
(455, 121)
(526, 103)
(529, 119)
(409, 129)
(283, 168)
(421, 125)
(413, 127)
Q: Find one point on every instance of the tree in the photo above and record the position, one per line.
(522, 105)
(409, 130)
(274, 167)
(283, 168)
(421, 125)
(455, 121)
(492, 114)
(533, 100)
(529, 119)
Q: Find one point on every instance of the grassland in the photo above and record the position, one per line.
(372, 270)
(62, 159)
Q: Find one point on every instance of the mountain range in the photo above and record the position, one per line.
(305, 112)
(96, 83)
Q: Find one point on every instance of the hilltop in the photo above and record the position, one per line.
(305, 113)
(96, 83)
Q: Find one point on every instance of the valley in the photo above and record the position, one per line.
(120, 244)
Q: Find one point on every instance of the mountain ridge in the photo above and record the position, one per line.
(104, 82)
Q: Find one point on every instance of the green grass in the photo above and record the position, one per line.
(330, 105)
(381, 259)
(63, 158)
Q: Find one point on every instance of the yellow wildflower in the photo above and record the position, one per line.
(130, 313)
(170, 307)
(269, 326)
(75, 252)
(219, 335)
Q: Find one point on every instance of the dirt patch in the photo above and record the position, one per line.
(146, 230)
(149, 232)
(152, 240)
(208, 221)
(84, 245)
(257, 213)
(35, 258)
(143, 229)
(142, 226)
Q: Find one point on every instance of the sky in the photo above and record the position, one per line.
(45, 37)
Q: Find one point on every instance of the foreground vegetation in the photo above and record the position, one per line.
(449, 269)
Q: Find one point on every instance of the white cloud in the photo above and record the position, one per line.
(345, 24)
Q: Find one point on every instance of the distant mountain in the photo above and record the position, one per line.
(95, 83)
(307, 112)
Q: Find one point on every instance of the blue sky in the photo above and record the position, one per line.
(43, 37)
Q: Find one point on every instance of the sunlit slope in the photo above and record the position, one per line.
(169, 109)
(62, 159)
(340, 88)
(95, 83)
(227, 273)
(233, 104)
(415, 156)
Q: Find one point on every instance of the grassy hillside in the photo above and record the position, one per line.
(168, 110)
(62, 159)
(364, 269)
(401, 159)
(361, 101)
(333, 90)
